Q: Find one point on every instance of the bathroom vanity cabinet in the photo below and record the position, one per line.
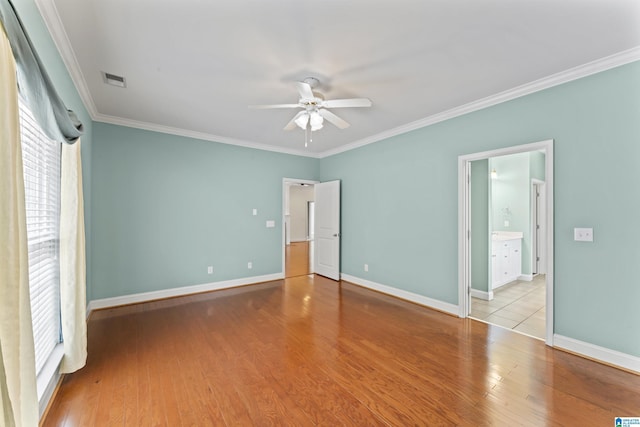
(506, 258)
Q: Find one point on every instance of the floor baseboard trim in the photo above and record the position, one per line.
(526, 277)
(405, 295)
(487, 296)
(177, 292)
(601, 354)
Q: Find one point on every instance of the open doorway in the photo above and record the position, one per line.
(505, 226)
(299, 217)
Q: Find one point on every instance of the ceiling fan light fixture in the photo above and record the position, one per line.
(315, 109)
(302, 121)
(316, 120)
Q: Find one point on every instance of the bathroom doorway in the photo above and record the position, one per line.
(501, 281)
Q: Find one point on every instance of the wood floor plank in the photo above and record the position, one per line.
(311, 351)
(297, 259)
(202, 406)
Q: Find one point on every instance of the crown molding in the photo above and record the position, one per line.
(593, 67)
(103, 118)
(59, 36)
(53, 23)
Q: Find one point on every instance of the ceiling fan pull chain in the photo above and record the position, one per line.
(307, 136)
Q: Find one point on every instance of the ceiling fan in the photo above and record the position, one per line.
(314, 106)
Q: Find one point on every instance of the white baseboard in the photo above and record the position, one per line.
(487, 296)
(602, 354)
(495, 286)
(176, 292)
(406, 295)
(526, 277)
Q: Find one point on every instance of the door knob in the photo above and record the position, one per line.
(336, 235)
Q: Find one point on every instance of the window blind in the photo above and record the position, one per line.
(41, 168)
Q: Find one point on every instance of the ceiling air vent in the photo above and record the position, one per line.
(114, 80)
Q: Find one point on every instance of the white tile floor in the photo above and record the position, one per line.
(519, 305)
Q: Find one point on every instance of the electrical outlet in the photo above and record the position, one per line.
(249, 265)
(366, 267)
(210, 269)
(583, 234)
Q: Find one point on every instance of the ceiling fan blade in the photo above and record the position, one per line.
(304, 89)
(292, 124)
(267, 107)
(332, 118)
(351, 102)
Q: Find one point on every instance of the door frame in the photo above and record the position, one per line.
(311, 219)
(464, 225)
(286, 181)
(537, 186)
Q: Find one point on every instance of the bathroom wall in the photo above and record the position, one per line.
(511, 196)
(480, 243)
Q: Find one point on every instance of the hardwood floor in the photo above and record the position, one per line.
(297, 259)
(311, 351)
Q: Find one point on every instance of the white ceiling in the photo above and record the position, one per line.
(193, 66)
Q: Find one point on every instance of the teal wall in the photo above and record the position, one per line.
(536, 165)
(511, 200)
(509, 192)
(37, 31)
(400, 201)
(166, 207)
(394, 211)
(480, 244)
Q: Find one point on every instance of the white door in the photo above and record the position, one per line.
(327, 229)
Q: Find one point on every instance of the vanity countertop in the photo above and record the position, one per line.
(506, 235)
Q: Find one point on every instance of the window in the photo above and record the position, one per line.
(41, 163)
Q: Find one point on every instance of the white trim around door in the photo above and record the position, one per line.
(538, 226)
(464, 225)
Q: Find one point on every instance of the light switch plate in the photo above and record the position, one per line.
(583, 234)
(255, 211)
(271, 223)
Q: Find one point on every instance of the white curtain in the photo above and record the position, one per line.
(18, 396)
(72, 261)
